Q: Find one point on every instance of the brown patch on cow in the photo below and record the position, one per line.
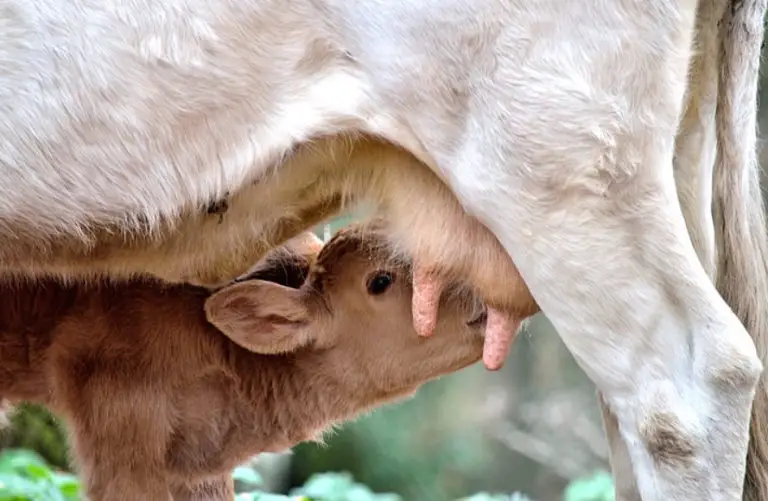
(667, 442)
(737, 374)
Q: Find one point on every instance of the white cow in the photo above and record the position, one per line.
(552, 122)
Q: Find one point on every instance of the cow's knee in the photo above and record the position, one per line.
(733, 367)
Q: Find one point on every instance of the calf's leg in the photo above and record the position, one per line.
(117, 473)
(118, 433)
(220, 488)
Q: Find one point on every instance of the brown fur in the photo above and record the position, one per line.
(158, 401)
(664, 441)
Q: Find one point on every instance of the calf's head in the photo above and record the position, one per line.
(353, 312)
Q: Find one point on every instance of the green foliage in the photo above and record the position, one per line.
(339, 487)
(26, 476)
(598, 487)
(483, 496)
(421, 448)
(34, 428)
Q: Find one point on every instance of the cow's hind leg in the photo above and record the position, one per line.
(610, 262)
(693, 168)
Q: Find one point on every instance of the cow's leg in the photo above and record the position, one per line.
(606, 254)
(617, 275)
(618, 455)
(694, 160)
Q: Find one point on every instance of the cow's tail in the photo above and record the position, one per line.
(740, 221)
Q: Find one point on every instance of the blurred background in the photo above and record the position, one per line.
(532, 427)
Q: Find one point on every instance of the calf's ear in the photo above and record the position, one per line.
(262, 317)
(307, 244)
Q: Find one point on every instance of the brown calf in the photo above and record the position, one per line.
(162, 406)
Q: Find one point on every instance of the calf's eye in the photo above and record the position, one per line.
(379, 283)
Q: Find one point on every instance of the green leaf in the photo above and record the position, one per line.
(18, 487)
(598, 487)
(68, 485)
(36, 471)
(25, 476)
(19, 460)
(340, 487)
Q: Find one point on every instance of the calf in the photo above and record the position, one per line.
(162, 406)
